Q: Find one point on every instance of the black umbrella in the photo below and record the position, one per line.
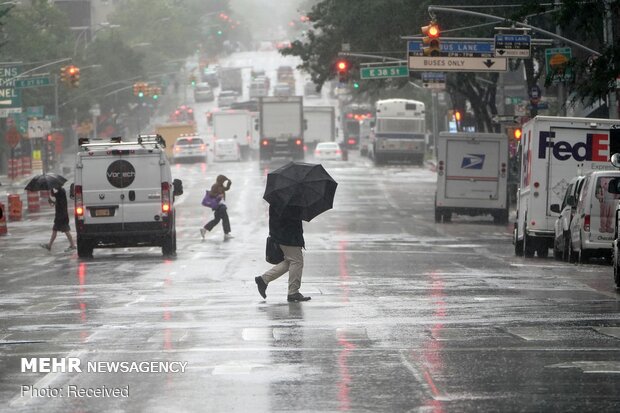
(300, 190)
(45, 182)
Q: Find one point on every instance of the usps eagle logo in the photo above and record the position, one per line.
(473, 161)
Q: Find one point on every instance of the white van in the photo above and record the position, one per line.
(593, 225)
(226, 150)
(124, 195)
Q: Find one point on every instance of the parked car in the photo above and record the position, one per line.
(226, 98)
(592, 227)
(210, 76)
(327, 151)
(562, 224)
(282, 89)
(203, 93)
(189, 148)
(226, 150)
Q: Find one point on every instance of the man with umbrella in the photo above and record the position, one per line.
(54, 182)
(295, 192)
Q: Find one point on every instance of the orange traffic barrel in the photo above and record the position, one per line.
(15, 207)
(33, 201)
(26, 166)
(3, 229)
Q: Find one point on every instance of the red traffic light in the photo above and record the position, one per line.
(517, 133)
(342, 65)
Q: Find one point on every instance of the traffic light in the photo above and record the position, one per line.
(136, 89)
(430, 42)
(192, 80)
(342, 66)
(73, 73)
(458, 115)
(514, 133)
(356, 85)
(64, 78)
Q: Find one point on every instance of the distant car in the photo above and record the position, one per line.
(210, 76)
(282, 89)
(182, 114)
(258, 88)
(326, 151)
(226, 98)
(562, 224)
(226, 150)
(310, 90)
(189, 148)
(203, 93)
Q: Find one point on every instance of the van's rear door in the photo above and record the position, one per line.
(472, 168)
(142, 201)
(102, 200)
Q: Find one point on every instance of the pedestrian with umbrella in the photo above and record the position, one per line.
(295, 192)
(53, 183)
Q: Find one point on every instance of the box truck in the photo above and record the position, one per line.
(472, 175)
(236, 125)
(281, 124)
(320, 125)
(553, 150)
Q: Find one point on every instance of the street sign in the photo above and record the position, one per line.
(10, 97)
(32, 82)
(454, 48)
(20, 121)
(458, 64)
(5, 112)
(505, 119)
(383, 72)
(513, 45)
(556, 64)
(39, 128)
(13, 137)
(434, 80)
(34, 111)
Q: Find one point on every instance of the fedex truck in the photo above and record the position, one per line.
(554, 150)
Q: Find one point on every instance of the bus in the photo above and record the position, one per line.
(400, 131)
(350, 117)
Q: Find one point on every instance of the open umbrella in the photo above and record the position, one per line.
(300, 190)
(45, 182)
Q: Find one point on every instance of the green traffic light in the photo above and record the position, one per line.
(356, 85)
(155, 97)
(219, 32)
(140, 94)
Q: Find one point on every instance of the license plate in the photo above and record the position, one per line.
(102, 212)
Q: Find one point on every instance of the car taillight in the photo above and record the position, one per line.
(317, 152)
(351, 141)
(265, 142)
(165, 198)
(586, 223)
(79, 202)
(338, 152)
(298, 142)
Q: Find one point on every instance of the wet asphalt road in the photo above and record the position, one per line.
(406, 314)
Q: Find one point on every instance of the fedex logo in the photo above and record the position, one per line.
(595, 148)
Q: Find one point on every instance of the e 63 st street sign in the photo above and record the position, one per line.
(383, 72)
(458, 64)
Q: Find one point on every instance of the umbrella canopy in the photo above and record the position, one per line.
(300, 190)
(45, 182)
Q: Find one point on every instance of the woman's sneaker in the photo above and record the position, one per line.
(46, 246)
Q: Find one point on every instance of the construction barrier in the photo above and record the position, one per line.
(33, 201)
(3, 229)
(37, 166)
(15, 207)
(26, 166)
(14, 169)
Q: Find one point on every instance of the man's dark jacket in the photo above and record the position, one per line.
(285, 231)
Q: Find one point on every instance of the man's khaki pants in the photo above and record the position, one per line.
(293, 263)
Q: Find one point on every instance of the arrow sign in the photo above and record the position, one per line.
(458, 64)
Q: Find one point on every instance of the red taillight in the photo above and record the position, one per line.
(586, 223)
(265, 142)
(317, 152)
(79, 202)
(536, 184)
(165, 197)
(298, 142)
(351, 141)
(202, 147)
(349, 116)
(338, 152)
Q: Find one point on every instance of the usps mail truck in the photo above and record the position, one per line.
(553, 151)
(472, 175)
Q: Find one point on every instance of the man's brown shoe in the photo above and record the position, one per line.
(297, 297)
